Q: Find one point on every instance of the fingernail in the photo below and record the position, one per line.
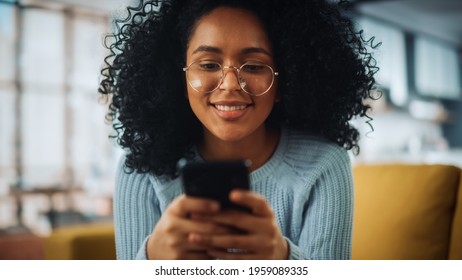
(195, 238)
(236, 194)
(214, 206)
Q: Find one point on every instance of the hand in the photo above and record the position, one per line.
(169, 239)
(259, 237)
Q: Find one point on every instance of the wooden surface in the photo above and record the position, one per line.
(22, 246)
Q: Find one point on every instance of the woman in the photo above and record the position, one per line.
(274, 82)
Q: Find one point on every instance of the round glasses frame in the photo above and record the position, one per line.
(238, 70)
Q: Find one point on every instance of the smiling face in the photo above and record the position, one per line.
(230, 37)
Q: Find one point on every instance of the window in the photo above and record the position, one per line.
(437, 69)
(390, 56)
(7, 96)
(43, 97)
(53, 132)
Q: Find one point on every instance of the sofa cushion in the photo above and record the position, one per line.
(81, 242)
(455, 249)
(403, 211)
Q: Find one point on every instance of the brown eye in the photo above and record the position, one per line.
(209, 66)
(253, 68)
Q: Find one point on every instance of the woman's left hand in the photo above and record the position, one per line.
(259, 236)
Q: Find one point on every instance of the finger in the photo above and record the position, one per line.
(186, 226)
(257, 203)
(174, 232)
(184, 205)
(213, 229)
(223, 242)
(201, 217)
(239, 220)
(204, 239)
(174, 236)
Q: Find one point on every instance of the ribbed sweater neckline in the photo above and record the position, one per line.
(269, 166)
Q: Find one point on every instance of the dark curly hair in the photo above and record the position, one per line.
(325, 71)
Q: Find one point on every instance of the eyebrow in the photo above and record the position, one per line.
(256, 50)
(206, 48)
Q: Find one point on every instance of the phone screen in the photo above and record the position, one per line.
(214, 179)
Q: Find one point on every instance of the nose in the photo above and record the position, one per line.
(230, 81)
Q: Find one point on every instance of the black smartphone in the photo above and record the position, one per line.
(215, 179)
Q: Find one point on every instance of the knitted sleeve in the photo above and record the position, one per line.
(135, 213)
(328, 213)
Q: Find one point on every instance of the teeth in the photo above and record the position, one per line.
(230, 108)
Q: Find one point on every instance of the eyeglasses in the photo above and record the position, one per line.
(205, 76)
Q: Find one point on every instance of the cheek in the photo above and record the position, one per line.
(191, 95)
(270, 99)
(265, 107)
(269, 108)
(197, 102)
(189, 91)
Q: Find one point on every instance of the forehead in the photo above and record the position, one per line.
(229, 28)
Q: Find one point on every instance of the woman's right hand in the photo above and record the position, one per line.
(170, 238)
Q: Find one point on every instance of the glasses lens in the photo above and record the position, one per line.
(204, 76)
(256, 78)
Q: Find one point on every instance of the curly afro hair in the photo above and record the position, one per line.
(325, 69)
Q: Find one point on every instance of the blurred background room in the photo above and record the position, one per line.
(57, 162)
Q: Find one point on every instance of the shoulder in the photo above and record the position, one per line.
(311, 156)
(304, 146)
(141, 186)
(130, 180)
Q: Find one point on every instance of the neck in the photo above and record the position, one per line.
(257, 147)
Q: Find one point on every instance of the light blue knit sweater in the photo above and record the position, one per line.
(307, 182)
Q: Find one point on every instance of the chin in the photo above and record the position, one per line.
(229, 135)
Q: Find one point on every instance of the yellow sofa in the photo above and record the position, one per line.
(401, 212)
(81, 242)
(407, 212)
